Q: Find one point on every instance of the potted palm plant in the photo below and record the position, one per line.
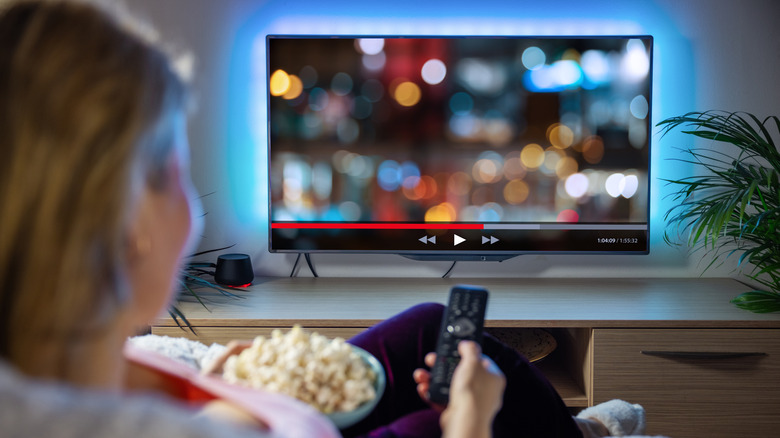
(731, 206)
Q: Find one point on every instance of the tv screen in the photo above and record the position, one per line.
(459, 147)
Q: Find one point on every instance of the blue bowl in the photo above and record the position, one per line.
(342, 420)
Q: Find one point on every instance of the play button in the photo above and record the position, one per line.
(458, 240)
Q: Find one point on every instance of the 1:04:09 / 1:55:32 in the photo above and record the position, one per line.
(617, 240)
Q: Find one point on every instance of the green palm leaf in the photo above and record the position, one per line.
(733, 205)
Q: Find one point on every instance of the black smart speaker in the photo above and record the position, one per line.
(234, 270)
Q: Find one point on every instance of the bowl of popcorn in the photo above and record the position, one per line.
(340, 380)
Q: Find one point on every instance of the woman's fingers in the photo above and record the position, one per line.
(232, 348)
(430, 359)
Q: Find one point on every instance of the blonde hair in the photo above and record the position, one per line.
(86, 115)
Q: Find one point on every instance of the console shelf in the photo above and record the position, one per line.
(600, 326)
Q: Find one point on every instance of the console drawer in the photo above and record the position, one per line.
(693, 382)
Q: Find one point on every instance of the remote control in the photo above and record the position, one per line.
(463, 320)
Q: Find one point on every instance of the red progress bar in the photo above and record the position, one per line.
(370, 226)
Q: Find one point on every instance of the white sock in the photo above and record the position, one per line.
(621, 418)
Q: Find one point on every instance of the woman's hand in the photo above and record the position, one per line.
(476, 391)
(232, 348)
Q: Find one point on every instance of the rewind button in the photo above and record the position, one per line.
(428, 239)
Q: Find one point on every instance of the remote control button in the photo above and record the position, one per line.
(462, 327)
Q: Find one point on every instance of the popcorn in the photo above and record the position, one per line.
(326, 374)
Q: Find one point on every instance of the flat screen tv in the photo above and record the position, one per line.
(459, 148)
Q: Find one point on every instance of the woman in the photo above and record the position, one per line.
(97, 211)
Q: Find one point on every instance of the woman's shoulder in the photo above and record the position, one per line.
(34, 408)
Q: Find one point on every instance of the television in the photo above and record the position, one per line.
(461, 147)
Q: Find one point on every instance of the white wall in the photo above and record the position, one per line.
(735, 49)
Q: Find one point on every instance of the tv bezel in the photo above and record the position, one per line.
(463, 255)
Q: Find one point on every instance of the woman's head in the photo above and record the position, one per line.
(94, 164)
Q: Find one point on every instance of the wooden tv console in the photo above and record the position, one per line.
(700, 366)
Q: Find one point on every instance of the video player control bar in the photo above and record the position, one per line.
(450, 226)
(459, 237)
